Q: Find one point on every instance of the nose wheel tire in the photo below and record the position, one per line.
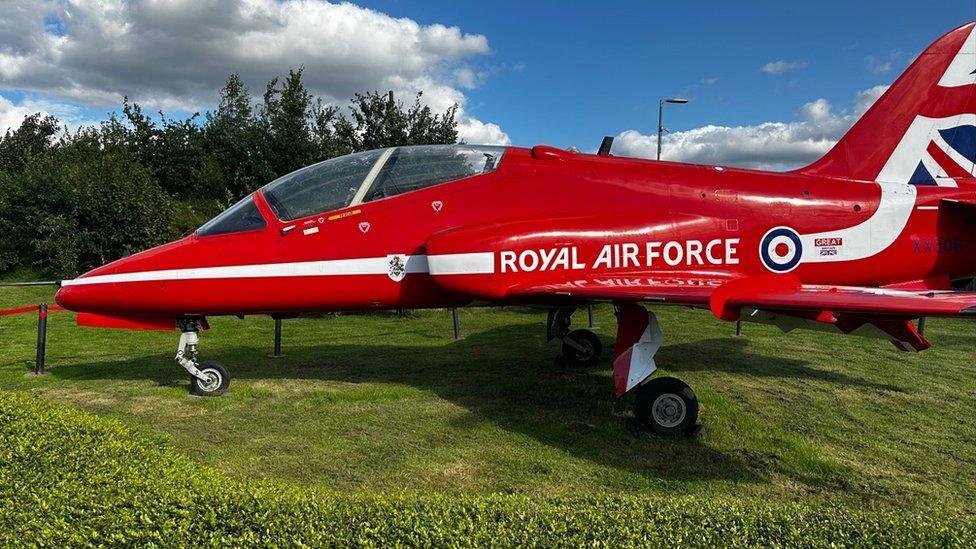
(215, 383)
(581, 348)
(667, 406)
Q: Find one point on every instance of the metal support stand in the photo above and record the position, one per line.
(41, 339)
(738, 327)
(277, 339)
(457, 323)
(589, 315)
(921, 326)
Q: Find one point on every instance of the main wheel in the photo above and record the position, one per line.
(581, 348)
(216, 383)
(667, 406)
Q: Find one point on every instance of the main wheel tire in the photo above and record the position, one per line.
(217, 380)
(585, 350)
(667, 406)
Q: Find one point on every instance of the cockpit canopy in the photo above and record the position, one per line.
(371, 175)
(357, 178)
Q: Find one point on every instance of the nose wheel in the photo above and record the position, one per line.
(667, 406)
(214, 380)
(207, 379)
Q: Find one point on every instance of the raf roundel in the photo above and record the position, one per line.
(780, 249)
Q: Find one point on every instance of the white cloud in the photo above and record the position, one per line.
(882, 68)
(466, 77)
(781, 66)
(477, 132)
(12, 113)
(865, 98)
(770, 145)
(879, 65)
(175, 54)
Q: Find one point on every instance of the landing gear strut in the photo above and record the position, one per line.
(580, 347)
(207, 379)
(664, 405)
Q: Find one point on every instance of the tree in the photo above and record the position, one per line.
(35, 136)
(71, 201)
(172, 152)
(234, 141)
(286, 116)
(380, 121)
(81, 206)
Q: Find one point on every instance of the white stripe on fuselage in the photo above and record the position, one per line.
(871, 236)
(470, 263)
(477, 263)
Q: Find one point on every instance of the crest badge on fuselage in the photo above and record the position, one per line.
(397, 267)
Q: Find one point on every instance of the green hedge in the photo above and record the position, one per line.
(69, 477)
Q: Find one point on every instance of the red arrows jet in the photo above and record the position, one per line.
(861, 242)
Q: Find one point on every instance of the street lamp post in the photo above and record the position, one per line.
(660, 118)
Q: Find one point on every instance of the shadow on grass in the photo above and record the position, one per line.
(502, 378)
(730, 355)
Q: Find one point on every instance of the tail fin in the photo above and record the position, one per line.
(922, 130)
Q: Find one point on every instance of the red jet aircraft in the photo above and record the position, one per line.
(861, 242)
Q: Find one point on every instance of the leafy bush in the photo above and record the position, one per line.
(70, 478)
(80, 206)
(73, 201)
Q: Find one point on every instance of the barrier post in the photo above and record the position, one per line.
(277, 339)
(589, 315)
(921, 326)
(738, 327)
(41, 338)
(457, 323)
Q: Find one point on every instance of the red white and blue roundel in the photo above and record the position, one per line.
(781, 249)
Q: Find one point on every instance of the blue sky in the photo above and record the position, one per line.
(595, 68)
(563, 73)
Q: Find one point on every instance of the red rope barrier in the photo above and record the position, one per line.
(22, 310)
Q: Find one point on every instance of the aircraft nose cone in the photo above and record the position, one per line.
(74, 298)
(62, 297)
(112, 290)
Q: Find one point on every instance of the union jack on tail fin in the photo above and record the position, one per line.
(922, 130)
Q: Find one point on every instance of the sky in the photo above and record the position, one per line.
(770, 84)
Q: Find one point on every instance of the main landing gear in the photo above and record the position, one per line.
(664, 405)
(580, 347)
(207, 379)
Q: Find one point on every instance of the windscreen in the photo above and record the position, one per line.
(412, 168)
(321, 187)
(243, 216)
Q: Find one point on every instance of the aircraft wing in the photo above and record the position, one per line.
(775, 292)
(786, 293)
(781, 300)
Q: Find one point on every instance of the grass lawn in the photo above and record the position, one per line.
(379, 403)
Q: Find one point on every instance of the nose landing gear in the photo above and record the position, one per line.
(580, 347)
(207, 379)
